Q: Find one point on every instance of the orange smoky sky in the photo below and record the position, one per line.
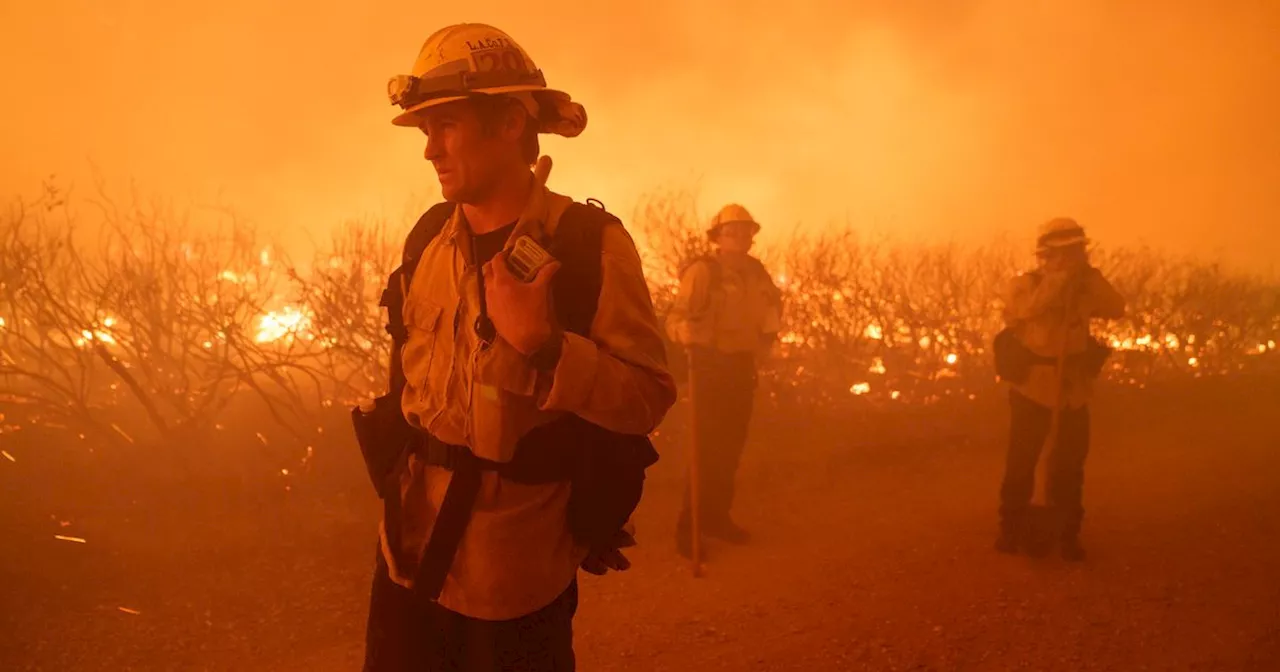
(1149, 121)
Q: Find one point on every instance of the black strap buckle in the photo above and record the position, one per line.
(440, 454)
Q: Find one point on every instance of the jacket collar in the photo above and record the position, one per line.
(539, 220)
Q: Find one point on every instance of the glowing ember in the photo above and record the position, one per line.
(77, 540)
(127, 610)
(335, 328)
(87, 337)
(7, 456)
(276, 325)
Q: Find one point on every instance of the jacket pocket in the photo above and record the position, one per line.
(421, 350)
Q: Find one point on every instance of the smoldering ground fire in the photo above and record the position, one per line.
(171, 330)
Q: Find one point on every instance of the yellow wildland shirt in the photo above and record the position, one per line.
(517, 554)
(728, 308)
(1036, 309)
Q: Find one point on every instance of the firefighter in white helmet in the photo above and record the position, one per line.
(1047, 314)
(727, 316)
(501, 381)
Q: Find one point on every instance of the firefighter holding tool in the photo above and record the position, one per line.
(1051, 361)
(726, 316)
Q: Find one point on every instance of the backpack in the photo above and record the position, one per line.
(1013, 360)
(606, 468)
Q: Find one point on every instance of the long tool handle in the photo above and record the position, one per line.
(1041, 495)
(695, 526)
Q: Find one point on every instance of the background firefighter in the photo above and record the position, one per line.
(726, 315)
(504, 384)
(1047, 313)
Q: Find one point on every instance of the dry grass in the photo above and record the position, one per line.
(142, 326)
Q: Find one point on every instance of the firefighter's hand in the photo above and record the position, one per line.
(521, 311)
(1078, 281)
(600, 561)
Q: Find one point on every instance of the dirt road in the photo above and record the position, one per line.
(873, 552)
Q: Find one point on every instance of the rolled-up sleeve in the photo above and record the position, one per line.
(1016, 297)
(688, 322)
(618, 378)
(1029, 297)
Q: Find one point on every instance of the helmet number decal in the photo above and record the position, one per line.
(498, 60)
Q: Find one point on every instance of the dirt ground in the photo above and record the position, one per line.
(872, 552)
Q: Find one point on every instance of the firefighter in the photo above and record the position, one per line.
(1048, 312)
(487, 580)
(726, 316)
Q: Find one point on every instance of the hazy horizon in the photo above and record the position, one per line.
(982, 118)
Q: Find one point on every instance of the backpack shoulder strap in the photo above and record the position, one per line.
(423, 232)
(759, 268)
(428, 227)
(713, 265)
(577, 245)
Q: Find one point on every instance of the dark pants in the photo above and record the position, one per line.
(1028, 431)
(408, 634)
(724, 390)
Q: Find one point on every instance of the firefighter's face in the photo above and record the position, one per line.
(736, 237)
(468, 154)
(1064, 258)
